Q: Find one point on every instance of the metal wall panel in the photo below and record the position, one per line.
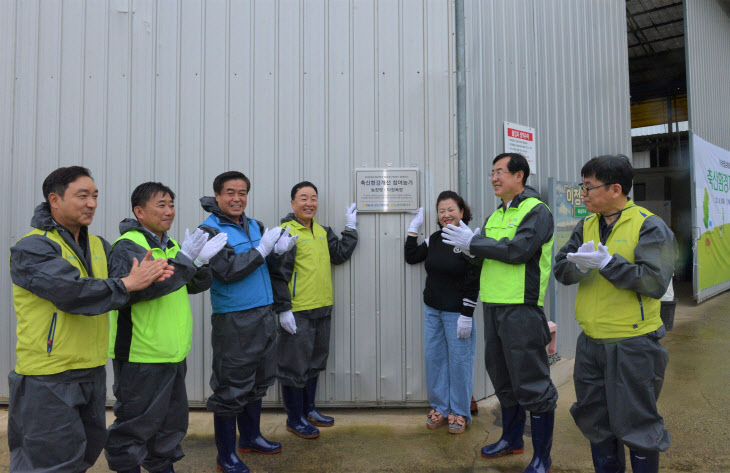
(707, 46)
(707, 50)
(282, 90)
(562, 68)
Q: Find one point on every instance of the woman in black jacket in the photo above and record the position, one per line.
(450, 296)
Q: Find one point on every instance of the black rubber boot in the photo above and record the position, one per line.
(296, 423)
(249, 424)
(513, 427)
(310, 411)
(609, 456)
(644, 461)
(542, 442)
(225, 441)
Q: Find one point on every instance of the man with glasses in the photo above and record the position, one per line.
(515, 253)
(622, 256)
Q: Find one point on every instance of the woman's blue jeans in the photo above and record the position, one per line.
(449, 363)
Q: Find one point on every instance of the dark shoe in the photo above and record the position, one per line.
(473, 407)
(225, 440)
(608, 456)
(313, 416)
(513, 427)
(169, 469)
(249, 424)
(296, 423)
(542, 442)
(644, 461)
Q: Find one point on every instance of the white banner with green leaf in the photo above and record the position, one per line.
(712, 187)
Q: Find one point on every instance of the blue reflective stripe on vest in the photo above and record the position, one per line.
(252, 291)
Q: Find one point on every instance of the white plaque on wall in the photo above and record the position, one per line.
(386, 189)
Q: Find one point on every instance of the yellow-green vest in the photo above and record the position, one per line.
(50, 340)
(504, 283)
(162, 329)
(311, 283)
(602, 309)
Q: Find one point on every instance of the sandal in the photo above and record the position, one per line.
(457, 424)
(435, 420)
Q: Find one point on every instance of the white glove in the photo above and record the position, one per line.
(463, 326)
(211, 248)
(594, 259)
(285, 242)
(607, 257)
(268, 240)
(286, 319)
(585, 248)
(351, 216)
(193, 243)
(416, 222)
(457, 236)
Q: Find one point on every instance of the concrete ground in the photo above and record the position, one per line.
(694, 403)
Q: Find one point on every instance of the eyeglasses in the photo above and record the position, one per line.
(585, 190)
(500, 173)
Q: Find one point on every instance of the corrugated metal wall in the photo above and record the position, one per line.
(282, 90)
(290, 90)
(562, 68)
(707, 49)
(707, 46)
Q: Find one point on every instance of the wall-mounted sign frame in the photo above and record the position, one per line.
(386, 189)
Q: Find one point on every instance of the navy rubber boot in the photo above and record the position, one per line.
(608, 456)
(249, 424)
(644, 461)
(513, 427)
(169, 469)
(313, 416)
(225, 440)
(542, 442)
(296, 423)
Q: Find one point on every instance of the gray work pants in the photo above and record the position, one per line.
(56, 422)
(244, 358)
(303, 355)
(515, 353)
(151, 415)
(617, 386)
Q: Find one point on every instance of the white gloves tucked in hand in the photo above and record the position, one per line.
(268, 240)
(193, 243)
(463, 327)
(351, 216)
(285, 242)
(211, 248)
(286, 319)
(416, 223)
(458, 236)
(586, 259)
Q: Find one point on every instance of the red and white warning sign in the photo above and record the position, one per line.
(521, 139)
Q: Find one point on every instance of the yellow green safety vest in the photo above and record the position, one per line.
(161, 329)
(311, 283)
(50, 340)
(602, 309)
(504, 283)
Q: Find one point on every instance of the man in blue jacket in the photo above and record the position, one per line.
(243, 321)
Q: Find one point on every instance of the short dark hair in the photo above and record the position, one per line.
(57, 182)
(145, 191)
(516, 163)
(611, 169)
(463, 206)
(302, 185)
(221, 179)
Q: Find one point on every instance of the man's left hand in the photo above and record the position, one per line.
(593, 259)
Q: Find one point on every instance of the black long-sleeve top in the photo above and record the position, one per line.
(452, 282)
